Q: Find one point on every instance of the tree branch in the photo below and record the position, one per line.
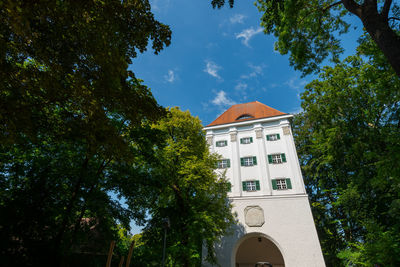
(394, 18)
(353, 7)
(332, 5)
(386, 8)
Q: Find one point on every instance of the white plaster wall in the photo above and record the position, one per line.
(288, 223)
(288, 219)
(260, 148)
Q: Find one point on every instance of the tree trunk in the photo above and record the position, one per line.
(377, 26)
(386, 39)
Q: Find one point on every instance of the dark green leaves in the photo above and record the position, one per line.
(348, 142)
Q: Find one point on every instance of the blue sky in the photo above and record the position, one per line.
(219, 58)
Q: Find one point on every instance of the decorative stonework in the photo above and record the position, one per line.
(286, 130)
(258, 133)
(209, 140)
(254, 216)
(233, 137)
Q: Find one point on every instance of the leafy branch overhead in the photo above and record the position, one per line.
(309, 29)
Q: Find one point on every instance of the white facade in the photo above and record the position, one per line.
(275, 223)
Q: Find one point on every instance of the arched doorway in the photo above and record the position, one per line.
(255, 248)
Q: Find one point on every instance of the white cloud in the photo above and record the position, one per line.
(212, 69)
(160, 5)
(247, 34)
(237, 18)
(170, 77)
(241, 86)
(221, 99)
(295, 83)
(256, 70)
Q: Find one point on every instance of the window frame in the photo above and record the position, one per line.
(248, 161)
(276, 158)
(249, 138)
(273, 137)
(281, 184)
(221, 143)
(251, 185)
(222, 162)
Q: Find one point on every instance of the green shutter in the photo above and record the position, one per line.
(274, 184)
(258, 185)
(254, 160)
(244, 185)
(228, 163)
(283, 157)
(278, 136)
(267, 137)
(241, 140)
(269, 158)
(226, 143)
(251, 139)
(241, 161)
(288, 183)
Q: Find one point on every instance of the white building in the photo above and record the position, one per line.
(267, 190)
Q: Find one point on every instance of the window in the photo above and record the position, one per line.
(221, 143)
(277, 158)
(273, 137)
(251, 185)
(244, 116)
(224, 163)
(246, 140)
(248, 161)
(281, 184)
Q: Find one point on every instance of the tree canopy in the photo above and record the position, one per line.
(72, 58)
(181, 185)
(67, 105)
(309, 30)
(349, 146)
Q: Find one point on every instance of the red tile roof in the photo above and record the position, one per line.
(244, 112)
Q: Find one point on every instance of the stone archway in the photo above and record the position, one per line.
(255, 248)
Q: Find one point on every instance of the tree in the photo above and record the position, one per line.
(73, 56)
(67, 106)
(181, 185)
(309, 30)
(349, 143)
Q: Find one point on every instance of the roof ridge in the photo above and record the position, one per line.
(254, 108)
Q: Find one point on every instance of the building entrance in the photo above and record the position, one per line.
(258, 249)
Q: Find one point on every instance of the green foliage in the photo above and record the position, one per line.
(349, 146)
(68, 104)
(310, 30)
(181, 185)
(72, 58)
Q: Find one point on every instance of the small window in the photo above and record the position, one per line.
(277, 158)
(248, 161)
(246, 140)
(251, 185)
(221, 143)
(224, 163)
(281, 184)
(273, 137)
(244, 116)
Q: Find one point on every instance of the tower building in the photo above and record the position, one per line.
(259, 159)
